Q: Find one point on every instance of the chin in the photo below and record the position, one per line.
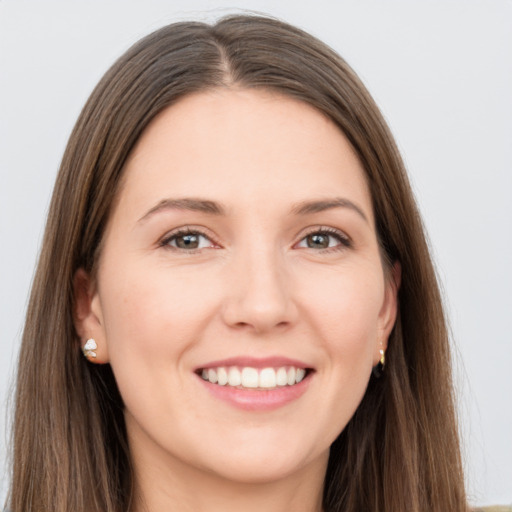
(261, 470)
(264, 460)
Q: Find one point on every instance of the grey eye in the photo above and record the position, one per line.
(318, 241)
(324, 240)
(190, 241)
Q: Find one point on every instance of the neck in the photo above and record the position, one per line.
(177, 486)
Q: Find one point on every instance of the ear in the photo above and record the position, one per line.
(389, 310)
(88, 317)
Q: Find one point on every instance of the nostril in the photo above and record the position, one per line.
(259, 308)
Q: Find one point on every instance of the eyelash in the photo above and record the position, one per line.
(165, 242)
(342, 238)
(344, 241)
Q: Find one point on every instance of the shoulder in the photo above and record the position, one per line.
(496, 508)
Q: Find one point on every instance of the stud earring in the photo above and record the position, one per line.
(89, 348)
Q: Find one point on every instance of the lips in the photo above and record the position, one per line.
(256, 384)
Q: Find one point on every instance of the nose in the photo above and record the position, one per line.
(259, 293)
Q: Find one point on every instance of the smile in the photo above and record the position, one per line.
(254, 378)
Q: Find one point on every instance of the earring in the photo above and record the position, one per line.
(89, 348)
(378, 370)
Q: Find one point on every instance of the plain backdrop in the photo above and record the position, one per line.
(441, 72)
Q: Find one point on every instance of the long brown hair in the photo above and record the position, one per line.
(399, 452)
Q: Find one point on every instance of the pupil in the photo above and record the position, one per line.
(187, 242)
(318, 240)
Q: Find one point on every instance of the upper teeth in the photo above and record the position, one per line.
(249, 377)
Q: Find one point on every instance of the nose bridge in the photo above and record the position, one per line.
(260, 289)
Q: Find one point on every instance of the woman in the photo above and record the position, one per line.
(235, 305)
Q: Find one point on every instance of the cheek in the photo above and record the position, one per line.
(350, 324)
(151, 314)
(345, 311)
(151, 321)
(342, 311)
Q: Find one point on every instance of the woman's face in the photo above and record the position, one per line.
(240, 296)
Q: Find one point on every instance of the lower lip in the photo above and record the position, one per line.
(256, 399)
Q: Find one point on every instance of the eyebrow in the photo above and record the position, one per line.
(189, 204)
(309, 207)
(214, 208)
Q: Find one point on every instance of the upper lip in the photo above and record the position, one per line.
(256, 362)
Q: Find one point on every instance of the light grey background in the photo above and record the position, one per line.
(441, 72)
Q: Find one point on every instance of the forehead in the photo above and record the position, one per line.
(240, 146)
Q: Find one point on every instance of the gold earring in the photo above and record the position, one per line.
(89, 348)
(382, 360)
(378, 369)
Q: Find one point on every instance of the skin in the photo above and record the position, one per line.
(256, 285)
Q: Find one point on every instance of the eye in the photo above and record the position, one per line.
(187, 240)
(325, 239)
